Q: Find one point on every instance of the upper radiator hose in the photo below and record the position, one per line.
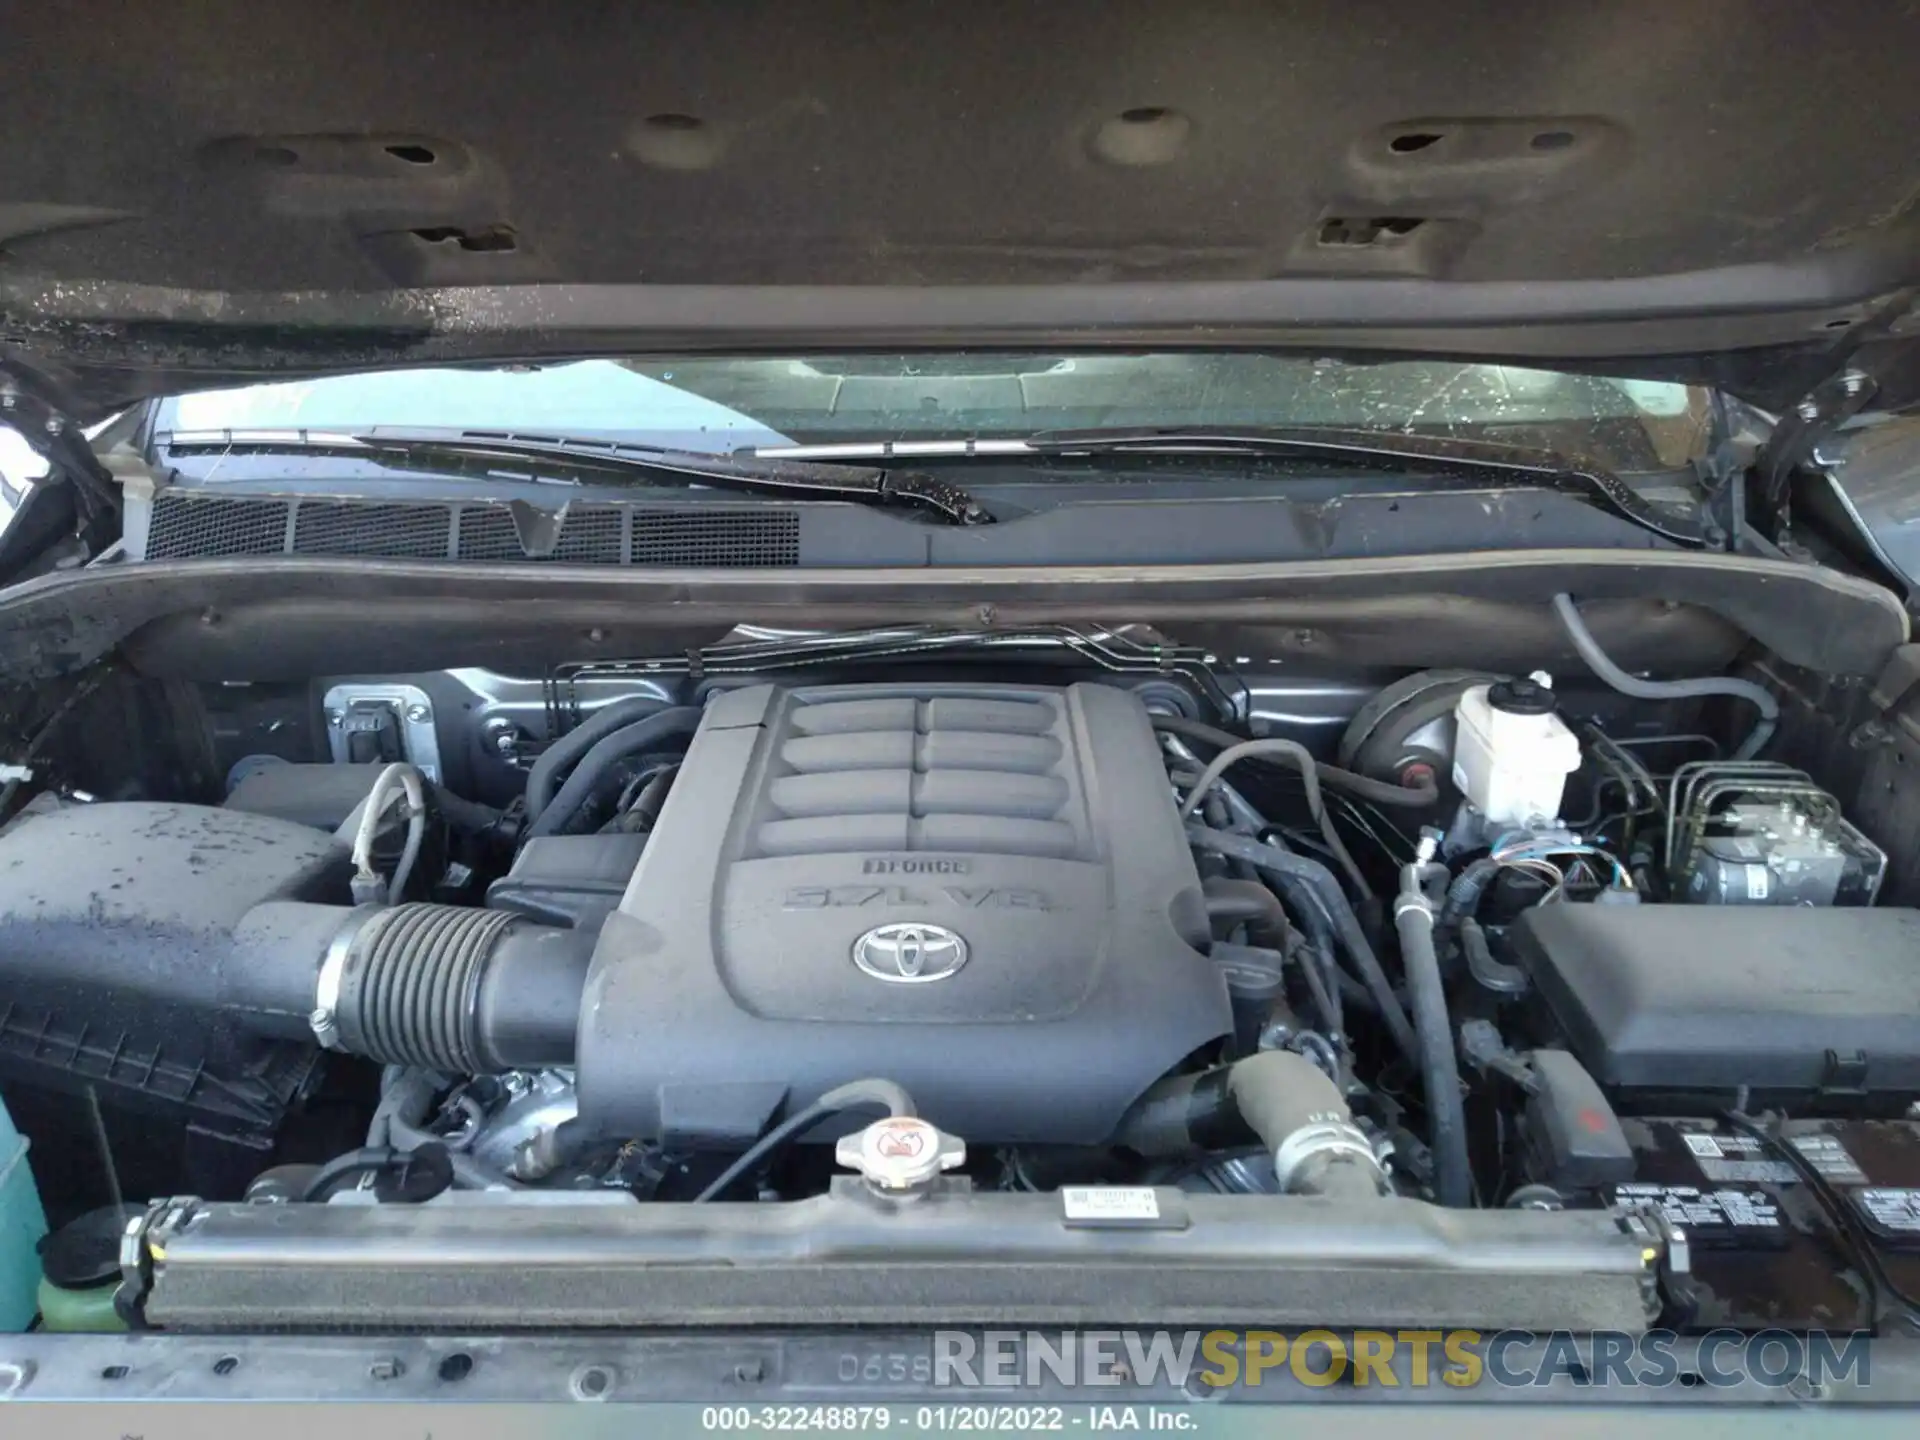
(1279, 1098)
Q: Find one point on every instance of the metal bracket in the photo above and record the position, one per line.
(1720, 473)
(412, 708)
(1827, 407)
(1846, 388)
(1676, 1248)
(1669, 1258)
(142, 1242)
(27, 405)
(1897, 681)
(1725, 472)
(1723, 515)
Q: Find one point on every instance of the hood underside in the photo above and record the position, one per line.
(1723, 190)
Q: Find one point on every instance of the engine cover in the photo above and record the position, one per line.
(980, 892)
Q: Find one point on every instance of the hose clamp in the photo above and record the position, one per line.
(324, 1019)
(1325, 1140)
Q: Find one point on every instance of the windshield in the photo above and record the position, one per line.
(720, 404)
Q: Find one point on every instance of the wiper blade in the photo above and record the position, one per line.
(1367, 447)
(1383, 447)
(560, 458)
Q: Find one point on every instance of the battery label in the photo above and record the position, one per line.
(1708, 1210)
(1827, 1155)
(1891, 1212)
(1736, 1159)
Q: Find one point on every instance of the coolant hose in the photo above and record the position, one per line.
(400, 1119)
(647, 805)
(1285, 1100)
(559, 757)
(1251, 903)
(469, 817)
(1439, 1068)
(606, 752)
(1602, 665)
(1297, 872)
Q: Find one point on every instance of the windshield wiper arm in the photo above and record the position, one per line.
(1375, 447)
(565, 459)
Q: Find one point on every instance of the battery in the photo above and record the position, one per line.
(1765, 1252)
(1876, 1167)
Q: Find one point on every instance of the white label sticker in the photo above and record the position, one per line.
(1704, 1209)
(1703, 1145)
(1769, 1172)
(1827, 1155)
(1110, 1202)
(1893, 1209)
(1757, 882)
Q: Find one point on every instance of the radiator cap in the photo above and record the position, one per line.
(900, 1153)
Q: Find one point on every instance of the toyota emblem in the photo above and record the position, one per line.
(909, 954)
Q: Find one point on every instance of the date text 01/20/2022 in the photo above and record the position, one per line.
(876, 1418)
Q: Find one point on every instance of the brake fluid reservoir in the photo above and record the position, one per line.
(1512, 754)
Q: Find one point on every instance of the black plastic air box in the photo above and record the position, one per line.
(1802, 1007)
(322, 796)
(116, 961)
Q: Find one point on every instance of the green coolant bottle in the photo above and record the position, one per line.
(22, 1224)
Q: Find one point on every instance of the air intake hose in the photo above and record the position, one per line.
(435, 986)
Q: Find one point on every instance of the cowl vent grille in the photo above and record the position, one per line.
(190, 526)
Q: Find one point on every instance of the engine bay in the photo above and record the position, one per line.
(913, 917)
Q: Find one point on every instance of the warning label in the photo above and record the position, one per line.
(1709, 1211)
(1827, 1155)
(1735, 1158)
(1893, 1214)
(1109, 1204)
